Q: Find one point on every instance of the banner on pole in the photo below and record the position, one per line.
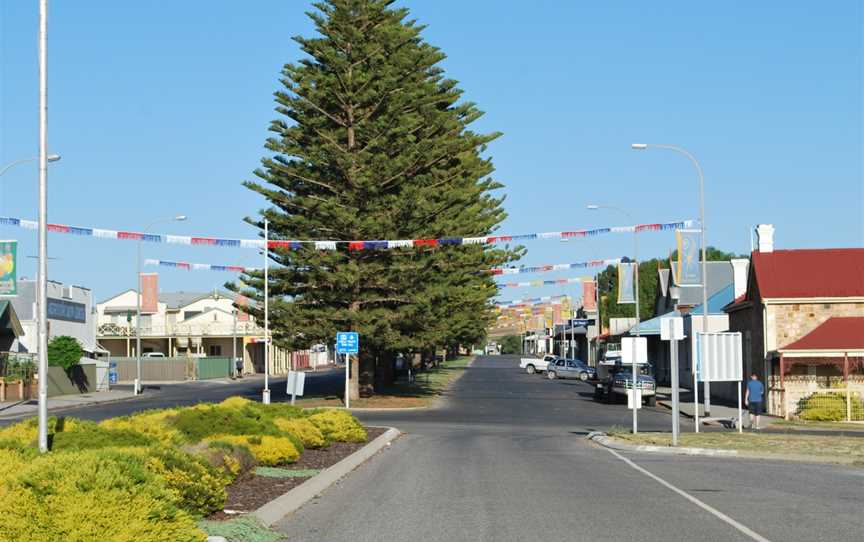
(242, 301)
(149, 293)
(689, 272)
(9, 268)
(589, 295)
(626, 276)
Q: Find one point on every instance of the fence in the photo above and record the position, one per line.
(155, 369)
(16, 376)
(208, 368)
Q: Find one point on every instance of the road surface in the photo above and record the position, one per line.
(505, 458)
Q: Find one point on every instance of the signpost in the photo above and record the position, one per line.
(296, 383)
(634, 350)
(347, 342)
(672, 330)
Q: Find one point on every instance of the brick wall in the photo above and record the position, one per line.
(796, 320)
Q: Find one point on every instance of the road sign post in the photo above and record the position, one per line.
(295, 384)
(347, 342)
(672, 330)
(634, 350)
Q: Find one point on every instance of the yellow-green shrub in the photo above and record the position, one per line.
(25, 434)
(302, 428)
(338, 426)
(266, 449)
(231, 459)
(90, 495)
(154, 423)
(235, 402)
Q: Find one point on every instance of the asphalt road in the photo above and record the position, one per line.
(185, 394)
(505, 458)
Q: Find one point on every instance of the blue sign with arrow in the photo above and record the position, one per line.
(347, 342)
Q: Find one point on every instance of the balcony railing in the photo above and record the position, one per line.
(213, 329)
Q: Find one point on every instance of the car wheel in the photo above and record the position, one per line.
(583, 376)
(651, 401)
(530, 370)
(551, 375)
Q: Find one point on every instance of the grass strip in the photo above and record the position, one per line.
(276, 472)
(242, 529)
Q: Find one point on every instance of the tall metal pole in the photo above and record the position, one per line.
(266, 396)
(234, 342)
(638, 322)
(685, 152)
(138, 295)
(42, 294)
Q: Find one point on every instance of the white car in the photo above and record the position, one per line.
(153, 355)
(536, 365)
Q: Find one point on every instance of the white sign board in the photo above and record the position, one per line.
(630, 401)
(672, 328)
(634, 350)
(296, 383)
(720, 357)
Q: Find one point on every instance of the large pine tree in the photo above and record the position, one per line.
(372, 142)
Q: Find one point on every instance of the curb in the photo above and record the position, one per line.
(604, 440)
(280, 507)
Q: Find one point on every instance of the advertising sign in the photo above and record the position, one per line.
(8, 267)
(68, 311)
(589, 295)
(626, 276)
(689, 272)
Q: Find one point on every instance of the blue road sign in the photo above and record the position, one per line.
(347, 342)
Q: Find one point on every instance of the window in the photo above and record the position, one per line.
(215, 350)
(560, 363)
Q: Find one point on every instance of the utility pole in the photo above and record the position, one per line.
(266, 396)
(42, 287)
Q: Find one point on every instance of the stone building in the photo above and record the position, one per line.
(791, 294)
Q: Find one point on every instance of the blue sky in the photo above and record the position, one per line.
(160, 108)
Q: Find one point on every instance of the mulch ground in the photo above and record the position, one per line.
(251, 492)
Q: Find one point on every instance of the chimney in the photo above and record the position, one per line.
(739, 277)
(765, 235)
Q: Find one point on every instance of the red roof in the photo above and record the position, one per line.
(830, 272)
(838, 333)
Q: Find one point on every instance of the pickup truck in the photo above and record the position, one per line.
(536, 365)
(614, 379)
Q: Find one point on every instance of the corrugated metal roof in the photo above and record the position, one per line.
(828, 272)
(838, 333)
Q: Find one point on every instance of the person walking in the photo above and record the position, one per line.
(753, 399)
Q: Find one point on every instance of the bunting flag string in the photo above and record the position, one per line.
(201, 266)
(530, 301)
(333, 245)
(553, 267)
(532, 283)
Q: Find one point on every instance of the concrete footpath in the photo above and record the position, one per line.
(60, 403)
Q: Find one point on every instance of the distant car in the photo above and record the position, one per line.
(536, 365)
(570, 368)
(153, 355)
(615, 379)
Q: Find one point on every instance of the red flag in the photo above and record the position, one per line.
(242, 301)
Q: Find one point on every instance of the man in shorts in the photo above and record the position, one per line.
(754, 399)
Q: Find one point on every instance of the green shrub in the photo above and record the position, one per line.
(89, 435)
(154, 423)
(202, 421)
(338, 426)
(232, 459)
(90, 495)
(267, 450)
(64, 351)
(829, 407)
(303, 429)
(197, 487)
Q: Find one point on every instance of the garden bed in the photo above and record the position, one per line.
(251, 492)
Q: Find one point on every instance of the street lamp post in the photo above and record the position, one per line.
(138, 387)
(685, 152)
(10, 165)
(265, 397)
(636, 285)
(42, 287)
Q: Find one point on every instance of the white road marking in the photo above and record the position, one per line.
(717, 513)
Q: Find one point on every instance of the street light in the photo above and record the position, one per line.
(595, 207)
(138, 387)
(685, 152)
(10, 165)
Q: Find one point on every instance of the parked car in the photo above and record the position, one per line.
(152, 355)
(614, 379)
(570, 368)
(536, 365)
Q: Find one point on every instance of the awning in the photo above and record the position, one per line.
(836, 337)
(9, 319)
(652, 326)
